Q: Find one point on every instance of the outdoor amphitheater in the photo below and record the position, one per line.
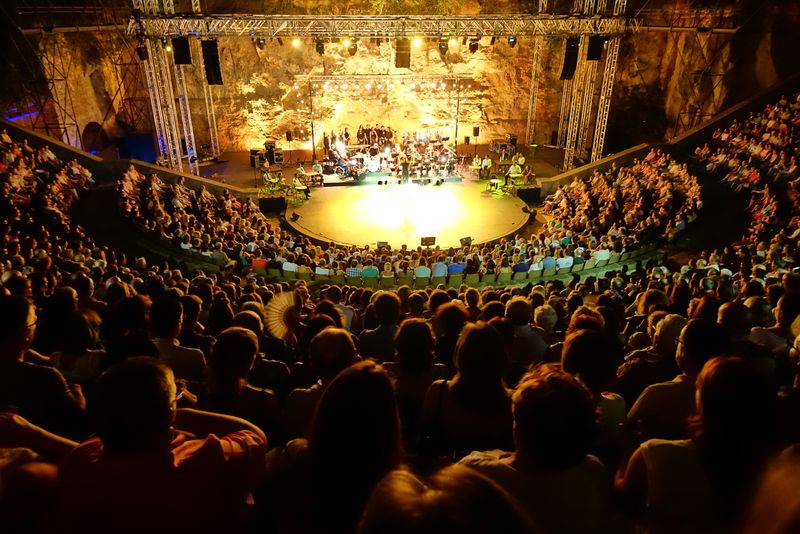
(391, 267)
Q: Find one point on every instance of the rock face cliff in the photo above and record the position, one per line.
(666, 82)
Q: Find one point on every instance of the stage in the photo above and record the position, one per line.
(233, 168)
(403, 214)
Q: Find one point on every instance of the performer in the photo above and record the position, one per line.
(316, 173)
(519, 159)
(346, 137)
(514, 171)
(326, 142)
(486, 167)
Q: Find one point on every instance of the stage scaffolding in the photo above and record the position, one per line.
(153, 25)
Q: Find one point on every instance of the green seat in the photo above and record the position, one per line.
(421, 282)
(321, 277)
(405, 280)
(614, 257)
(503, 279)
(550, 271)
(535, 275)
(563, 270)
(472, 279)
(370, 282)
(304, 276)
(589, 264)
(289, 275)
(261, 272)
(518, 277)
(489, 279)
(455, 280)
(274, 273)
(337, 279)
(577, 267)
(387, 282)
(601, 263)
(436, 280)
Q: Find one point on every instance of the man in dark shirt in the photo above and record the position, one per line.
(37, 393)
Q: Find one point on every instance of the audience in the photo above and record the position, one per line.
(709, 373)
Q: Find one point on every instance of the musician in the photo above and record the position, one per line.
(316, 173)
(514, 170)
(403, 165)
(346, 137)
(326, 142)
(360, 135)
(486, 167)
(519, 159)
(373, 135)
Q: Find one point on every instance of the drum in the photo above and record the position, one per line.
(328, 167)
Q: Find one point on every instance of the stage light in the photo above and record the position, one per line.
(442, 46)
(296, 42)
(167, 45)
(473, 46)
(367, 86)
(352, 49)
(512, 41)
(452, 41)
(260, 42)
(346, 42)
(344, 87)
(319, 46)
(417, 41)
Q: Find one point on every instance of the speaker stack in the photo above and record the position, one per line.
(211, 61)
(570, 58)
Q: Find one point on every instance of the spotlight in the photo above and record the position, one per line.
(417, 42)
(296, 42)
(352, 49)
(260, 43)
(367, 86)
(319, 46)
(473, 46)
(512, 41)
(442, 46)
(452, 41)
(346, 42)
(280, 41)
(167, 45)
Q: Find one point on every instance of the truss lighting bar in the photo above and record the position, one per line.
(378, 25)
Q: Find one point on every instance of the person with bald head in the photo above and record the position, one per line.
(330, 352)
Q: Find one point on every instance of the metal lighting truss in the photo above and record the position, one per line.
(607, 87)
(537, 53)
(162, 99)
(582, 83)
(57, 71)
(700, 36)
(186, 118)
(336, 26)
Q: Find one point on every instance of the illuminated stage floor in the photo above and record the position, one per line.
(403, 214)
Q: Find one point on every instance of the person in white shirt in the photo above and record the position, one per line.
(166, 318)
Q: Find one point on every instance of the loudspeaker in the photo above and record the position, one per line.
(141, 51)
(288, 135)
(275, 204)
(255, 160)
(277, 156)
(596, 45)
(466, 140)
(180, 51)
(476, 131)
(512, 140)
(402, 54)
(211, 60)
(570, 58)
(466, 241)
(427, 241)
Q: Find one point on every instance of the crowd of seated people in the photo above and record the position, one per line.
(651, 199)
(134, 395)
(224, 227)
